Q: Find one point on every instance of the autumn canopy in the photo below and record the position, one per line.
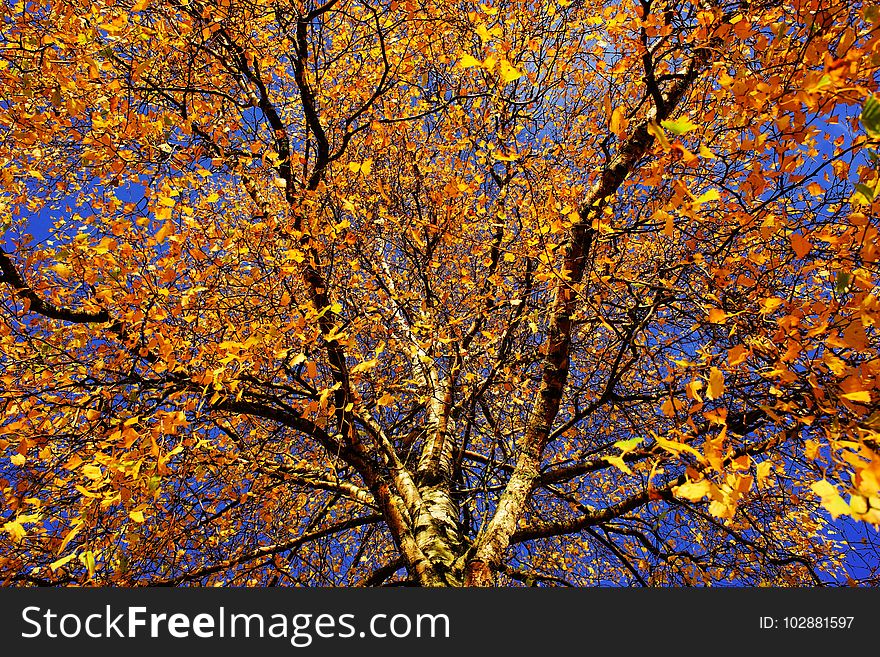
(371, 292)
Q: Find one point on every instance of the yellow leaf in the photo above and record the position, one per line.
(70, 535)
(508, 72)
(677, 447)
(619, 463)
(55, 565)
(363, 167)
(763, 471)
(657, 132)
(85, 491)
(769, 304)
(505, 157)
(626, 446)
(385, 400)
(29, 517)
(693, 491)
(61, 269)
(667, 219)
(92, 471)
(15, 531)
(163, 214)
(722, 508)
(468, 62)
(365, 366)
(88, 560)
(708, 154)
(716, 384)
(815, 189)
(680, 127)
(831, 499)
(835, 364)
(705, 197)
(17, 459)
(295, 255)
(858, 396)
(105, 246)
(137, 516)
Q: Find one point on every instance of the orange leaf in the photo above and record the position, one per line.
(166, 229)
(670, 407)
(716, 384)
(618, 121)
(800, 245)
(737, 355)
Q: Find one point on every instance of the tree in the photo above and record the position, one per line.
(373, 292)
